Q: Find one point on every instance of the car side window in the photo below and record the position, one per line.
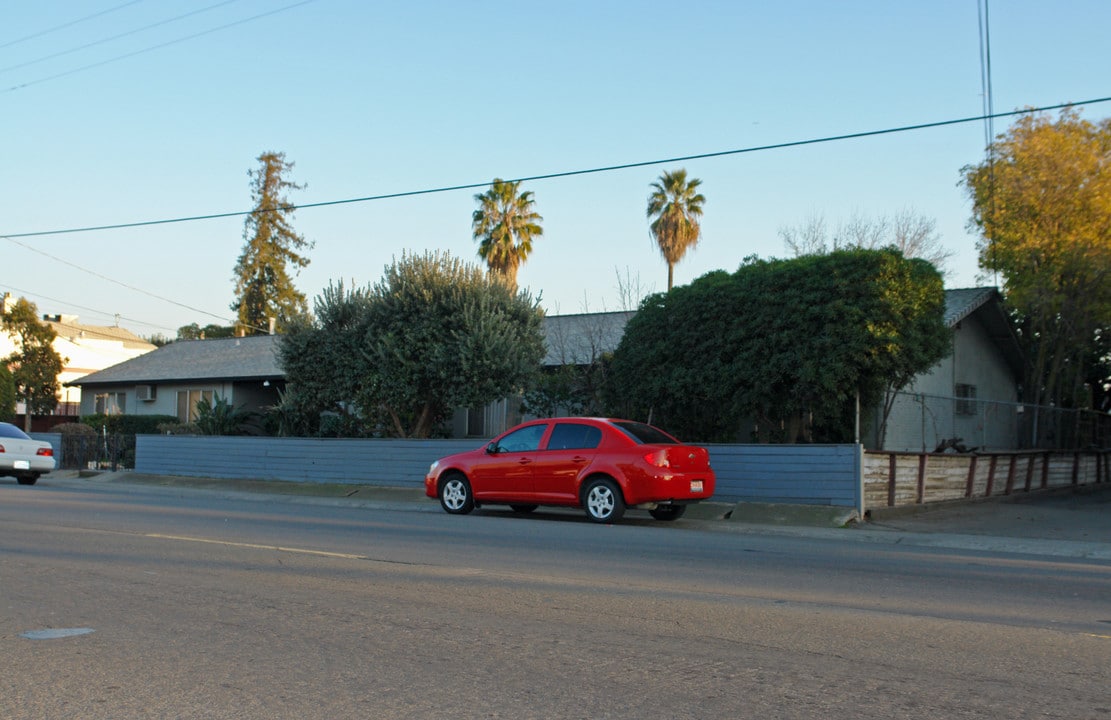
(574, 436)
(524, 440)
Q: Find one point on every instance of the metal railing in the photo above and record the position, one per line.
(104, 451)
(931, 423)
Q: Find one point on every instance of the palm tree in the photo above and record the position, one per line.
(505, 224)
(676, 205)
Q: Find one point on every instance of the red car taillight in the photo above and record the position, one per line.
(1, 448)
(657, 458)
(45, 452)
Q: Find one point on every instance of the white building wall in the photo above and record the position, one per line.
(83, 351)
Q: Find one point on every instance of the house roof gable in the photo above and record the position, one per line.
(986, 304)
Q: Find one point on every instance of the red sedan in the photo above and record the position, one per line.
(601, 465)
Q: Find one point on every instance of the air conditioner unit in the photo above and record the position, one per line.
(144, 393)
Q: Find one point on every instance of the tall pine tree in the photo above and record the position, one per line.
(263, 285)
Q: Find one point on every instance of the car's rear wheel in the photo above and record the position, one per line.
(523, 509)
(603, 501)
(455, 494)
(27, 479)
(668, 512)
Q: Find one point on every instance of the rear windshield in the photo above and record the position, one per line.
(645, 434)
(11, 431)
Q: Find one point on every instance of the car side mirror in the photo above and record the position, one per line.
(492, 449)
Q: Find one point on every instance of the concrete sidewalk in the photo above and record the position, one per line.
(1068, 522)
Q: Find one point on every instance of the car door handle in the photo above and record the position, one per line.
(579, 459)
(524, 461)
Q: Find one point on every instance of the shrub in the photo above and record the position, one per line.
(127, 424)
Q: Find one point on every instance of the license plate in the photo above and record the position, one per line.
(696, 486)
(21, 465)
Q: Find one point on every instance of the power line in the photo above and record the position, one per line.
(68, 24)
(155, 47)
(125, 285)
(569, 173)
(26, 293)
(115, 37)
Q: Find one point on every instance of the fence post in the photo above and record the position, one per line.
(891, 480)
(971, 477)
(921, 478)
(991, 475)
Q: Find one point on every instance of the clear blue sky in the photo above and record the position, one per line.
(370, 98)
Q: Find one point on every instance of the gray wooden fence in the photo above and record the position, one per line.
(792, 474)
(799, 474)
(384, 463)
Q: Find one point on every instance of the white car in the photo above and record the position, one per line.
(23, 458)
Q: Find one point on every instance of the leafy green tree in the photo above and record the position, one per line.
(324, 364)
(7, 394)
(505, 224)
(675, 207)
(433, 335)
(263, 286)
(1042, 204)
(35, 364)
(784, 345)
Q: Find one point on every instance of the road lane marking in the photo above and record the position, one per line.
(254, 546)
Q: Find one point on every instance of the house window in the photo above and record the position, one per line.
(966, 399)
(187, 403)
(111, 403)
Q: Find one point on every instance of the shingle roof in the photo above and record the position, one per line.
(962, 302)
(244, 358)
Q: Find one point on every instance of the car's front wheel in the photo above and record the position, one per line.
(455, 494)
(603, 501)
(668, 512)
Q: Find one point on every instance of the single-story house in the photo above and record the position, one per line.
(985, 365)
(973, 394)
(171, 379)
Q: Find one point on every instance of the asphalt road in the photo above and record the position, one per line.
(206, 604)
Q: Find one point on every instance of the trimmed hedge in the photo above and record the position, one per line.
(128, 424)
